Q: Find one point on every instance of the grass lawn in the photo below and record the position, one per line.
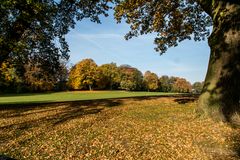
(158, 128)
(71, 96)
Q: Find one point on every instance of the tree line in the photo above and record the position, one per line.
(87, 75)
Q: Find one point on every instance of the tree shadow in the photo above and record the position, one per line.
(175, 96)
(235, 139)
(185, 100)
(71, 109)
(3, 157)
(22, 119)
(64, 111)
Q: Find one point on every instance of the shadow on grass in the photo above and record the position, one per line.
(19, 120)
(3, 157)
(70, 111)
(185, 100)
(236, 143)
(76, 108)
(180, 98)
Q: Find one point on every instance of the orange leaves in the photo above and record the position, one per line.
(182, 85)
(8, 73)
(151, 81)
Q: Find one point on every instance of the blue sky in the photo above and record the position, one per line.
(105, 43)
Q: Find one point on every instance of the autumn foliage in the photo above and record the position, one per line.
(86, 74)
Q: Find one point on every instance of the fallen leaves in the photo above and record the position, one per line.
(154, 128)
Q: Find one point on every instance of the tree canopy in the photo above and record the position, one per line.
(37, 28)
(131, 78)
(84, 75)
(110, 74)
(151, 81)
(172, 20)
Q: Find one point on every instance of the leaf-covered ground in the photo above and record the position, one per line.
(137, 128)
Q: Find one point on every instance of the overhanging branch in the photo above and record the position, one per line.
(206, 6)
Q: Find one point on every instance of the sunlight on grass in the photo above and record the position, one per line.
(71, 96)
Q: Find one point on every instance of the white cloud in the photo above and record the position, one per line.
(96, 36)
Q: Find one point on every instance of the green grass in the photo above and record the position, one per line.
(159, 128)
(71, 96)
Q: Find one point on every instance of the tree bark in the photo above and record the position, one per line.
(90, 87)
(220, 97)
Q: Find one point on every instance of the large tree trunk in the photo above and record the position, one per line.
(221, 93)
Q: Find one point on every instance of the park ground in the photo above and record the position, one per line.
(159, 128)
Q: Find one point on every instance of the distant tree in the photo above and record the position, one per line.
(165, 84)
(62, 77)
(181, 85)
(84, 75)
(131, 78)
(43, 73)
(9, 79)
(151, 81)
(37, 79)
(174, 84)
(110, 75)
(197, 87)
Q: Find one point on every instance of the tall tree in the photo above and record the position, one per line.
(44, 76)
(197, 87)
(131, 78)
(181, 85)
(84, 75)
(37, 79)
(177, 20)
(165, 85)
(111, 75)
(151, 81)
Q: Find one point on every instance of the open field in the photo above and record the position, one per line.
(158, 128)
(71, 96)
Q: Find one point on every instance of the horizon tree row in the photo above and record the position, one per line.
(39, 77)
(86, 74)
(35, 74)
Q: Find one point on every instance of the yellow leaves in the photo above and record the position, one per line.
(83, 74)
(151, 81)
(8, 72)
(29, 1)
